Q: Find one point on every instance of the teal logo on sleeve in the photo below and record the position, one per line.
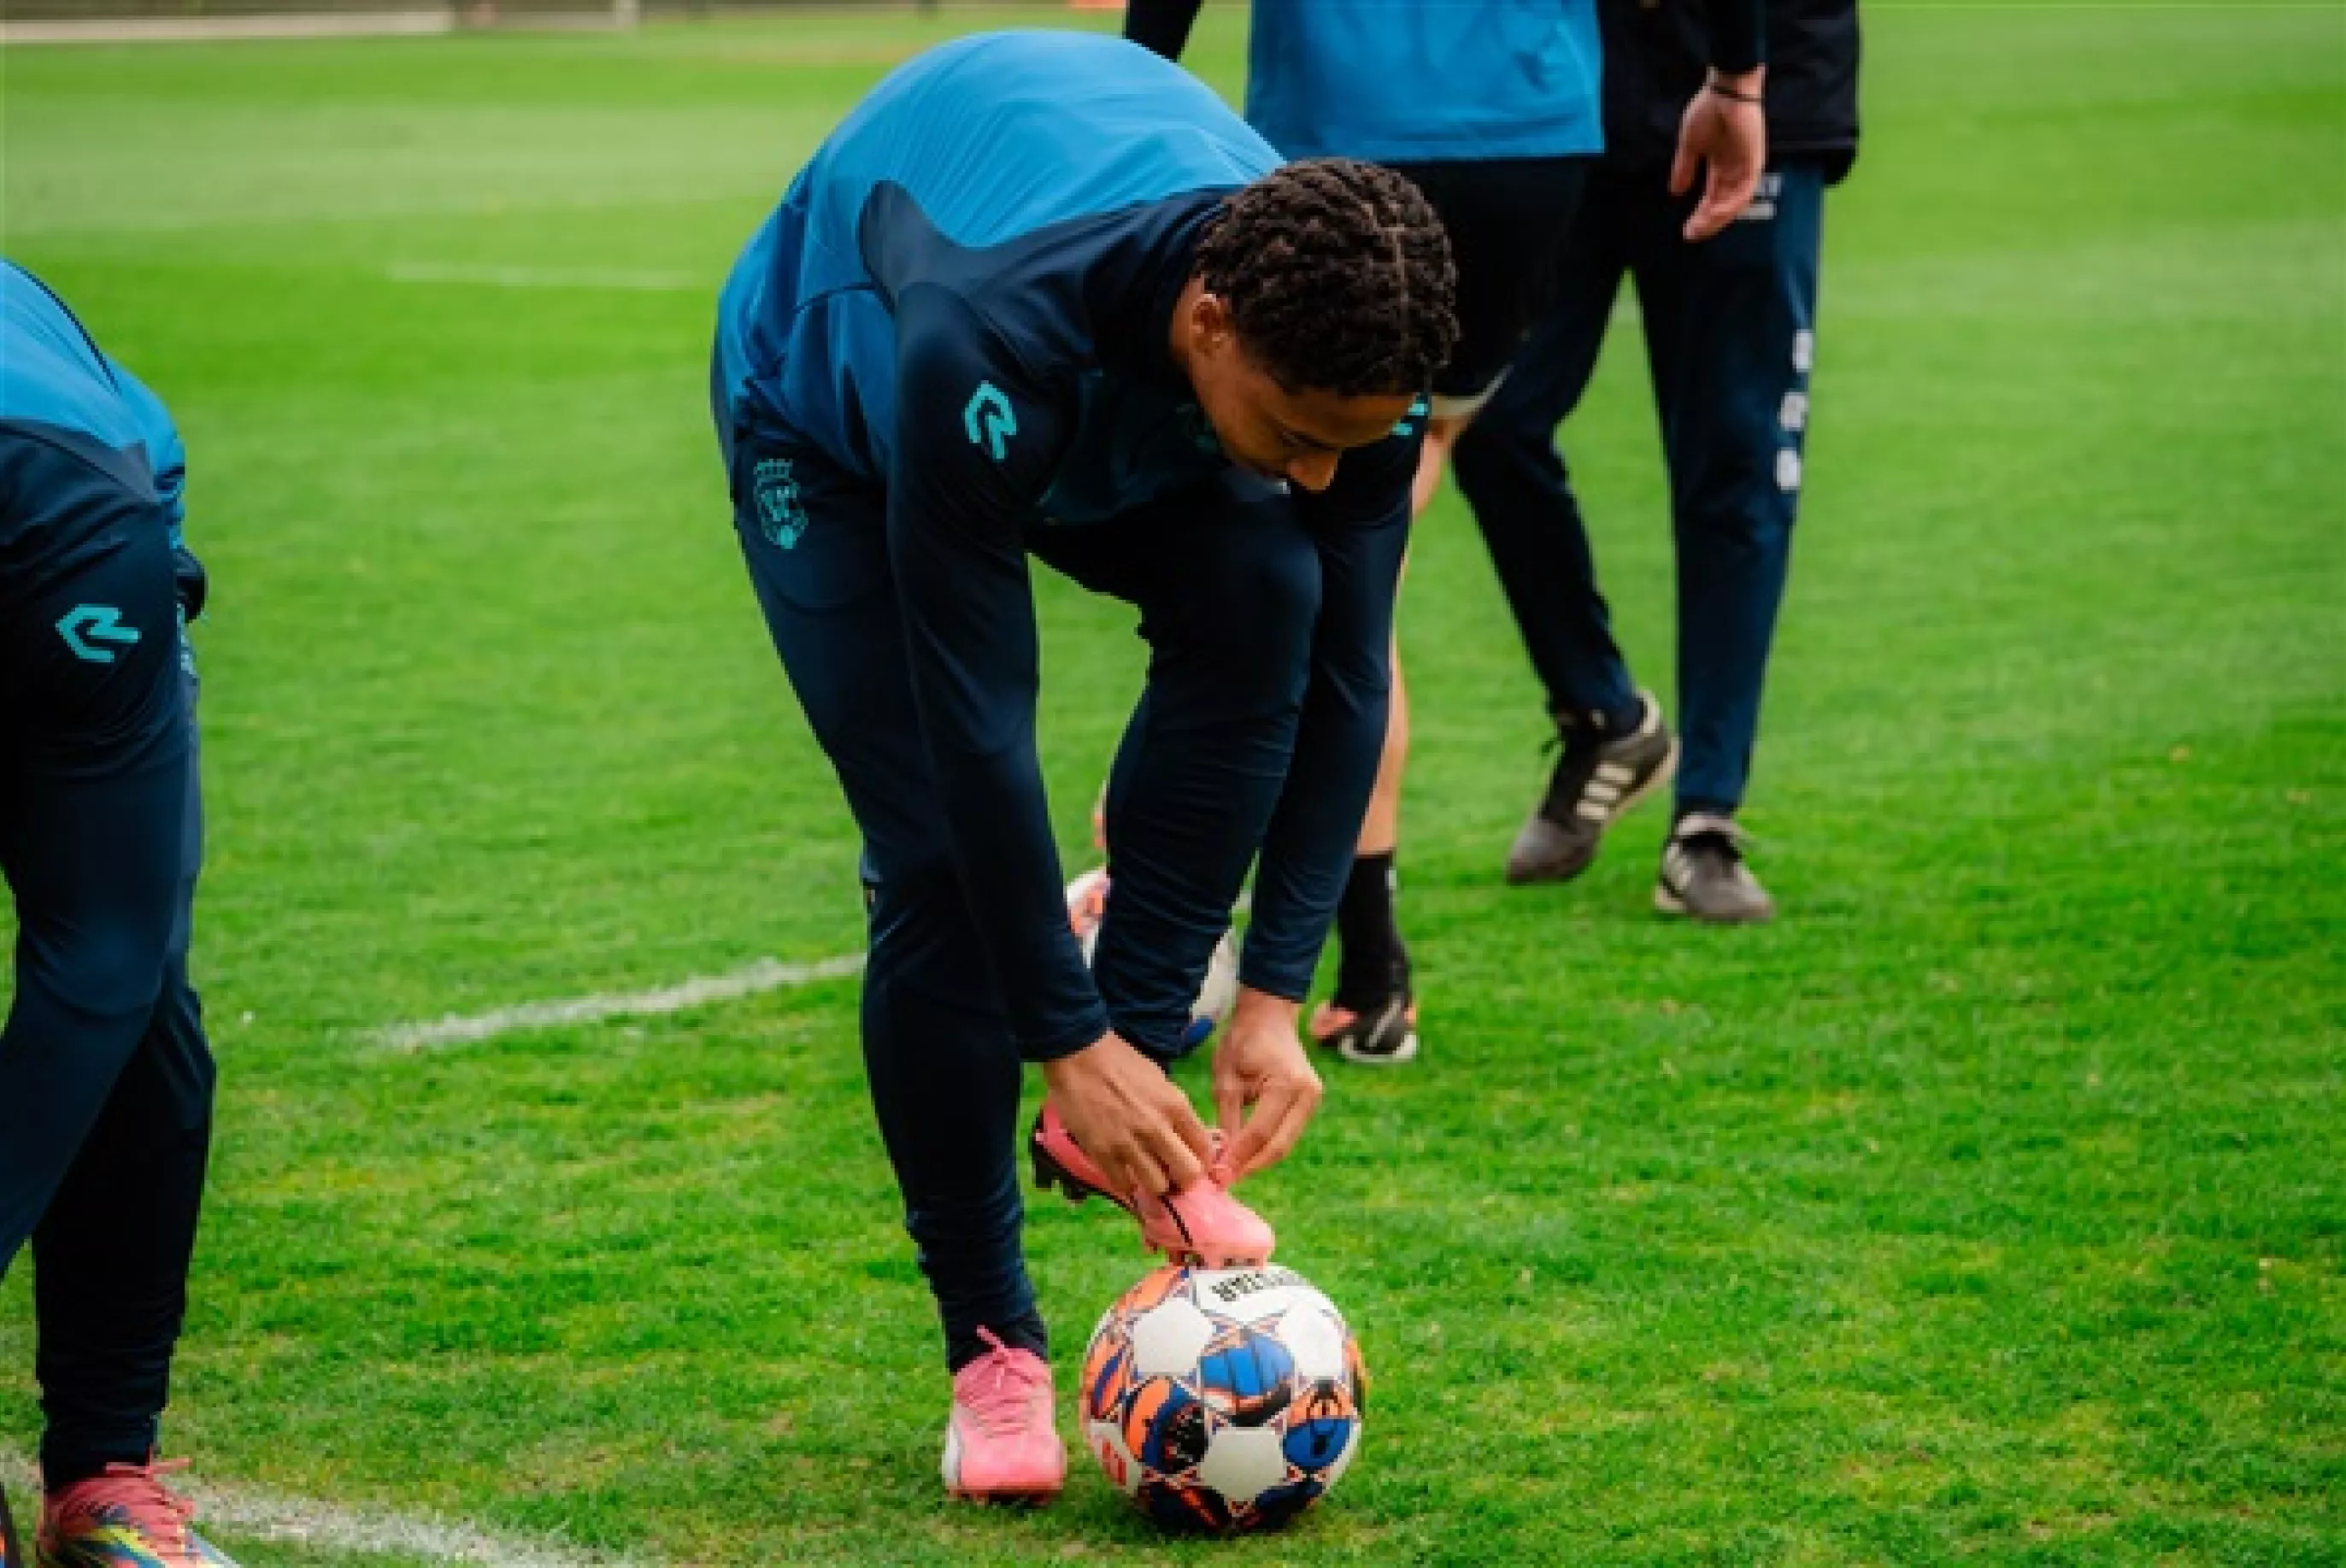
(989, 420)
(1407, 424)
(86, 626)
(782, 512)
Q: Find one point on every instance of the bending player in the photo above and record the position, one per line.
(1493, 107)
(106, 1078)
(1042, 294)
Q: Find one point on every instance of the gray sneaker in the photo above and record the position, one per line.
(1704, 876)
(1597, 777)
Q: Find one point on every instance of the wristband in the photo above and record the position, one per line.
(1732, 95)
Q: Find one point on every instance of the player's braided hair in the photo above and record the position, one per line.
(1338, 277)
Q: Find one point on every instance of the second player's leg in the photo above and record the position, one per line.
(112, 1256)
(1731, 331)
(1514, 477)
(1613, 748)
(106, 1080)
(95, 763)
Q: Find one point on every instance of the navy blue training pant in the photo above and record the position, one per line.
(106, 1078)
(1227, 583)
(1729, 328)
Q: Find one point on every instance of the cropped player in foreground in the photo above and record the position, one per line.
(1493, 108)
(1042, 294)
(106, 1078)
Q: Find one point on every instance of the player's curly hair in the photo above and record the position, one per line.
(1338, 276)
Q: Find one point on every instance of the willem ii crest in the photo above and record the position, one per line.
(781, 514)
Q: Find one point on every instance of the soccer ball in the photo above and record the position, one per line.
(1087, 907)
(1224, 1399)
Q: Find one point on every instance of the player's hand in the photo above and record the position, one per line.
(1134, 1121)
(1730, 136)
(1261, 1063)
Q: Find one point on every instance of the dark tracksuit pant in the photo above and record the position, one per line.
(1227, 583)
(106, 1078)
(1729, 329)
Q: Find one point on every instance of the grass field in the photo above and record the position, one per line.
(1989, 1208)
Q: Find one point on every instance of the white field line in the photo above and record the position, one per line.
(637, 282)
(367, 1532)
(751, 980)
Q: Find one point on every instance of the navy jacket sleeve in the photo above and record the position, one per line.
(168, 459)
(1162, 26)
(164, 453)
(1362, 524)
(975, 445)
(1738, 35)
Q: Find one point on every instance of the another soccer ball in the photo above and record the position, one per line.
(1087, 906)
(1223, 1399)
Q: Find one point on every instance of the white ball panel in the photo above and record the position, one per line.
(1167, 1339)
(1244, 1462)
(1316, 1340)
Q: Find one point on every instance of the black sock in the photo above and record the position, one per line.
(62, 1466)
(1373, 955)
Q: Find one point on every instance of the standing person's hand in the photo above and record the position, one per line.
(1133, 1121)
(1261, 1063)
(1724, 129)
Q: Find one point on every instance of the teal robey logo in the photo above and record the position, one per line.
(1407, 424)
(781, 514)
(86, 626)
(988, 420)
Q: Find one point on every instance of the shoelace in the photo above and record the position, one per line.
(137, 1493)
(1001, 1397)
(1571, 764)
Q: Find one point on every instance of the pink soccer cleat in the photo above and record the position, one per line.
(124, 1519)
(1001, 1442)
(1202, 1224)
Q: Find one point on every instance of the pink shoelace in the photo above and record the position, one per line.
(136, 1491)
(1001, 1389)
